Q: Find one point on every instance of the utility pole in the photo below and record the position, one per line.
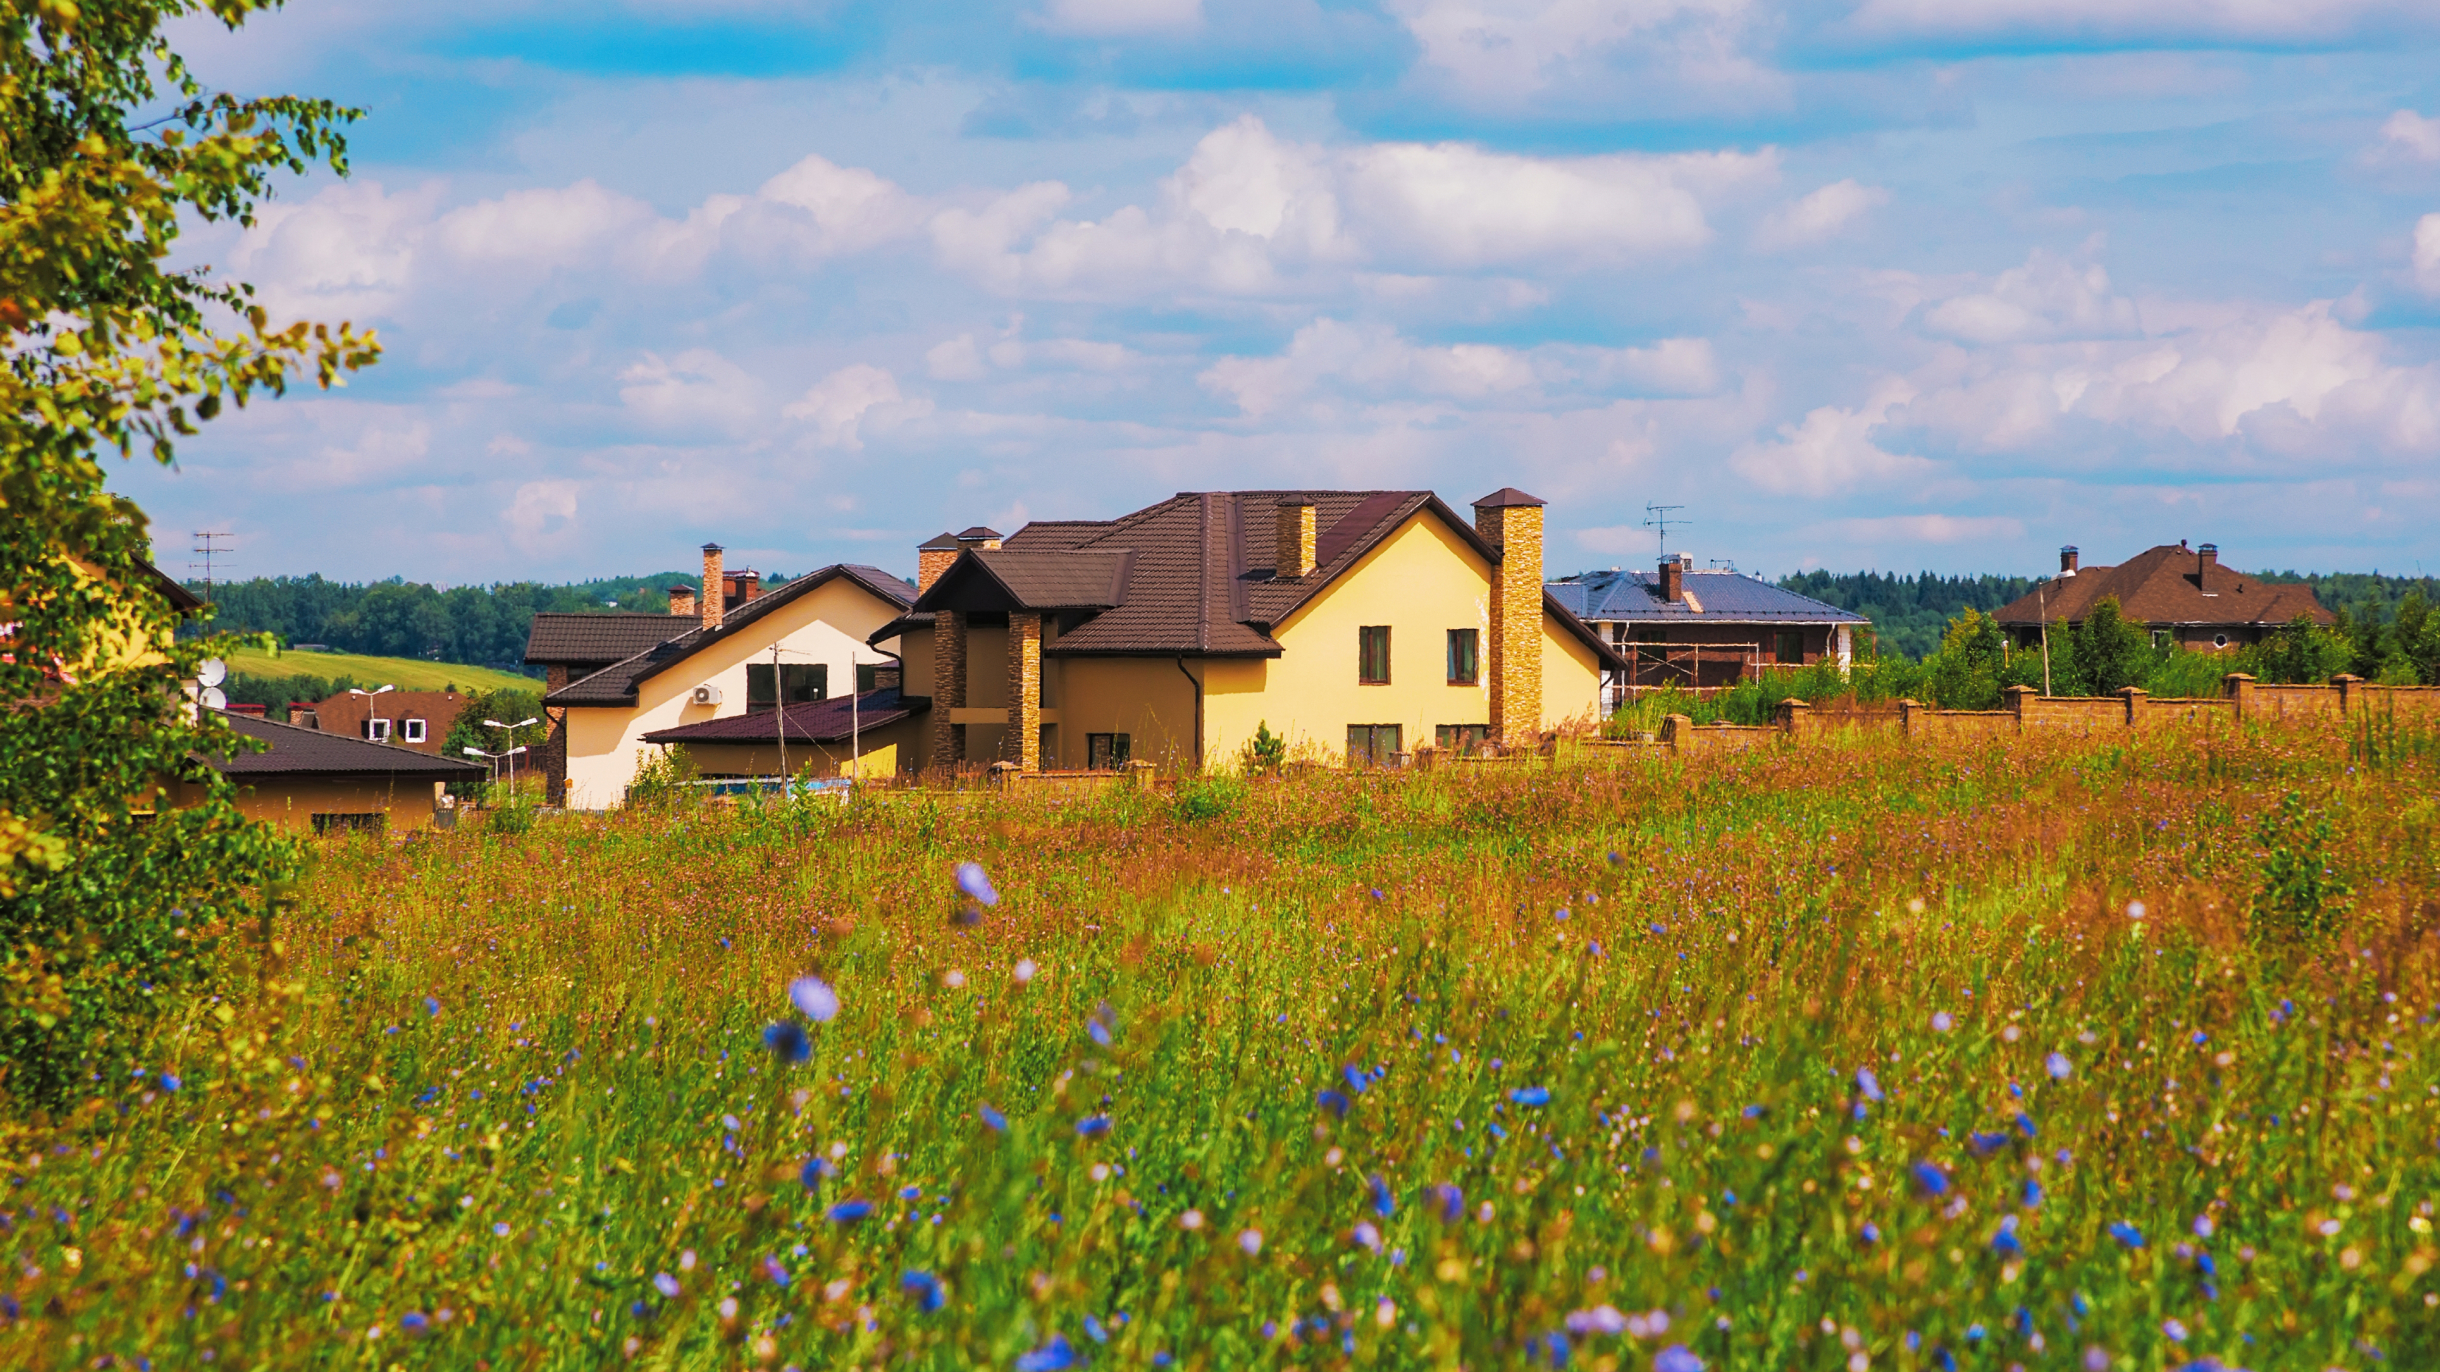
(779, 707)
(1657, 517)
(2041, 598)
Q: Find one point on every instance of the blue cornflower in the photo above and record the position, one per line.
(1450, 1201)
(1929, 1179)
(1530, 1095)
(976, 883)
(170, 1081)
(814, 998)
(787, 1042)
(2005, 1241)
(1356, 1078)
(1332, 1101)
(1984, 1145)
(992, 1119)
(1093, 1126)
(815, 1169)
(1098, 1032)
(1383, 1203)
(1867, 1085)
(2126, 1233)
(1094, 1331)
(2025, 1126)
(1677, 1357)
(2033, 1194)
(848, 1211)
(431, 1006)
(666, 1284)
(2058, 1066)
(925, 1288)
(1871, 1233)
(414, 1323)
(1055, 1356)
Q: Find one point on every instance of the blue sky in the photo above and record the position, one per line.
(1899, 284)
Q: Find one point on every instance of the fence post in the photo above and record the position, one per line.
(1793, 715)
(2018, 696)
(2135, 697)
(1677, 732)
(1906, 716)
(2239, 688)
(1139, 773)
(2350, 692)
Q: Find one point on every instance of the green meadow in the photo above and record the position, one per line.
(2059, 1055)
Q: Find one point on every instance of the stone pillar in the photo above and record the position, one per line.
(2018, 698)
(1906, 717)
(1677, 731)
(715, 588)
(948, 686)
(1292, 556)
(1022, 743)
(2350, 692)
(2239, 688)
(1795, 716)
(1511, 522)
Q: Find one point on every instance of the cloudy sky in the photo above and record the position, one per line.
(1859, 283)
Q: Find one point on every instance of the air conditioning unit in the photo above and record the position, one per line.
(706, 695)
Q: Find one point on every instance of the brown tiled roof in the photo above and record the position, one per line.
(819, 721)
(1196, 576)
(180, 598)
(599, 639)
(1033, 580)
(295, 751)
(2165, 585)
(616, 683)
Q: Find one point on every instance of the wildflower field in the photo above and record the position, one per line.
(2058, 1054)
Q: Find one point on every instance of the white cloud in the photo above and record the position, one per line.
(697, 389)
(837, 404)
(1122, 18)
(346, 253)
(1932, 528)
(2195, 20)
(1831, 452)
(2408, 137)
(1252, 214)
(542, 512)
(544, 226)
(2047, 297)
(1818, 216)
(1501, 51)
(1373, 360)
(2427, 253)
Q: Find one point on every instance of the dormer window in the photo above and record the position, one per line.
(377, 730)
(412, 730)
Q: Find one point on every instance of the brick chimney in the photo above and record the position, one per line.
(2205, 558)
(742, 586)
(1292, 555)
(1511, 522)
(979, 538)
(932, 557)
(1673, 577)
(715, 587)
(2067, 560)
(682, 600)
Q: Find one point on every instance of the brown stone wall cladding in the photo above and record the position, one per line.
(948, 686)
(554, 750)
(2397, 702)
(1804, 720)
(2068, 714)
(1683, 735)
(1927, 723)
(929, 564)
(2291, 702)
(2156, 711)
(1022, 743)
(1516, 619)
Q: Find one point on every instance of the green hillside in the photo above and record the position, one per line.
(406, 673)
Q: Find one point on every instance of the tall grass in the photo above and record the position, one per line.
(1844, 1056)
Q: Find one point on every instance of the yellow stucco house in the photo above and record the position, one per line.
(734, 651)
(1358, 625)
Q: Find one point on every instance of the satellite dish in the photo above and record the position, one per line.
(213, 699)
(212, 672)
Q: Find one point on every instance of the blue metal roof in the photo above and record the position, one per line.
(1726, 597)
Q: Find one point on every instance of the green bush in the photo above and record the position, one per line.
(1266, 753)
(2302, 895)
(1207, 797)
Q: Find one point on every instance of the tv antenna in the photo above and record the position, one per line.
(209, 544)
(1657, 517)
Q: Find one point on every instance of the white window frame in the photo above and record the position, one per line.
(377, 730)
(412, 730)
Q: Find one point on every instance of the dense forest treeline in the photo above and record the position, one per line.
(1908, 613)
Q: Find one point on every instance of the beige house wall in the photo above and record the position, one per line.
(1571, 679)
(828, 624)
(292, 802)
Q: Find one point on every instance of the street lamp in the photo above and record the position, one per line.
(511, 753)
(493, 759)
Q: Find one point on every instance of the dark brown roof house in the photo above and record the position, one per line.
(2183, 595)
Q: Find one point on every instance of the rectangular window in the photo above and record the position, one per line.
(1373, 745)
(868, 677)
(1105, 752)
(377, 730)
(1791, 647)
(372, 823)
(1460, 738)
(1465, 658)
(804, 683)
(413, 730)
(1372, 655)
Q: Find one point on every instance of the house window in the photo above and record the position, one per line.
(1791, 646)
(2219, 640)
(1372, 655)
(1465, 657)
(1372, 745)
(370, 823)
(1105, 752)
(377, 730)
(412, 730)
(868, 677)
(1460, 738)
(803, 682)
(2160, 640)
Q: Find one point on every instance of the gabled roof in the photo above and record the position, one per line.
(297, 751)
(599, 639)
(2166, 585)
(819, 721)
(616, 683)
(181, 599)
(1723, 598)
(1191, 575)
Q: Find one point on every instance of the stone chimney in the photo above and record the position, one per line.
(682, 600)
(715, 587)
(1292, 555)
(1511, 522)
(2067, 560)
(742, 586)
(979, 538)
(932, 557)
(2205, 558)
(1673, 578)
